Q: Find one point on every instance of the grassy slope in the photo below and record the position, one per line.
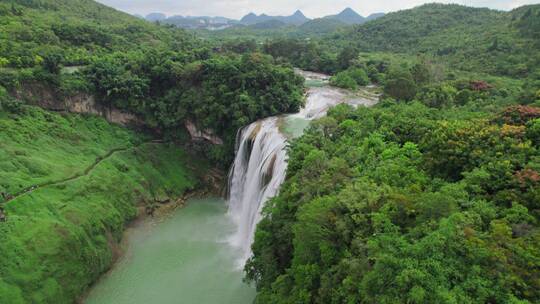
(42, 147)
(57, 239)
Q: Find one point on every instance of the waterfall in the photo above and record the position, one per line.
(257, 172)
(260, 165)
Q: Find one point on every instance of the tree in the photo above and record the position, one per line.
(400, 85)
(346, 56)
(52, 63)
(437, 96)
(359, 75)
(344, 80)
(3, 62)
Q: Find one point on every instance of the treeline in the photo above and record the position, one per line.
(164, 74)
(217, 93)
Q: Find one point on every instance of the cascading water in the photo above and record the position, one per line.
(257, 172)
(261, 162)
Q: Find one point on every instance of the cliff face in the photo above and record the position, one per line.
(42, 96)
(202, 135)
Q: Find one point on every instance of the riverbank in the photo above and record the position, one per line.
(59, 238)
(146, 220)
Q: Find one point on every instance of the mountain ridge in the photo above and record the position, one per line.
(297, 18)
(348, 17)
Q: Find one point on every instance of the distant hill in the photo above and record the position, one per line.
(204, 22)
(320, 26)
(268, 25)
(374, 16)
(348, 16)
(298, 18)
(478, 39)
(152, 17)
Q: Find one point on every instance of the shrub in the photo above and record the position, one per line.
(359, 75)
(344, 80)
(533, 131)
(438, 96)
(519, 115)
(400, 88)
(8, 79)
(350, 79)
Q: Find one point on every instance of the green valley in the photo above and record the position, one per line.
(409, 172)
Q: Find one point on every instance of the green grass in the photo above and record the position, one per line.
(57, 239)
(39, 146)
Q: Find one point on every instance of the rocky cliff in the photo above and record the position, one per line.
(43, 96)
(40, 95)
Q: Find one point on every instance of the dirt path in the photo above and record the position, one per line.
(86, 171)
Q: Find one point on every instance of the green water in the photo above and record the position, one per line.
(294, 127)
(183, 259)
(315, 83)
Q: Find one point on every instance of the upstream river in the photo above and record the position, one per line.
(195, 255)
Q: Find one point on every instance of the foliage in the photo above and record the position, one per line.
(306, 55)
(350, 79)
(218, 93)
(399, 204)
(344, 80)
(400, 85)
(240, 46)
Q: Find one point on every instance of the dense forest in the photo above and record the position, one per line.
(406, 203)
(431, 196)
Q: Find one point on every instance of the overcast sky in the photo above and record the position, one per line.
(311, 8)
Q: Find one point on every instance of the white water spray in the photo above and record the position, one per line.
(258, 171)
(260, 165)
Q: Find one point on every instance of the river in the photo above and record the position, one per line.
(196, 254)
(182, 259)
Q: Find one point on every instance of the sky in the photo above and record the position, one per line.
(311, 8)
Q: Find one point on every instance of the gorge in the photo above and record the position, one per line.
(204, 246)
(145, 163)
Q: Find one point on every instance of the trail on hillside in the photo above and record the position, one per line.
(86, 171)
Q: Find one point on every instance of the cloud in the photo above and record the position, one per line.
(312, 8)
